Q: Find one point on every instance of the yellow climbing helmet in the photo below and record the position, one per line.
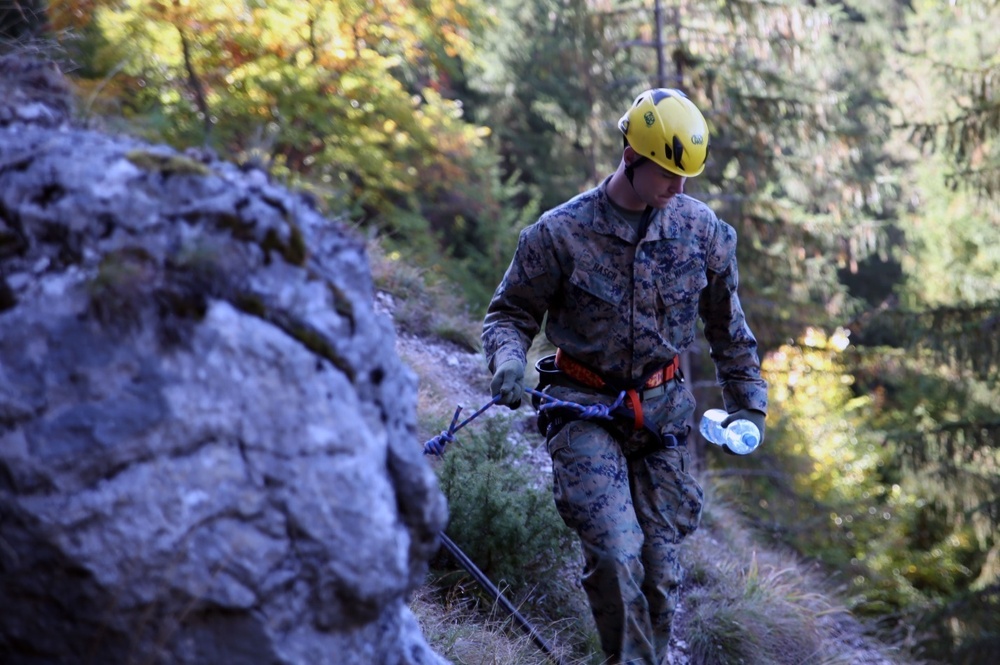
(665, 126)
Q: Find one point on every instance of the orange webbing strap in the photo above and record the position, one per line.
(585, 376)
(577, 371)
(633, 398)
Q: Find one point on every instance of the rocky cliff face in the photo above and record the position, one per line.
(207, 447)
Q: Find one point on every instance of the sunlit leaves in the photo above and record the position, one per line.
(343, 94)
(913, 532)
(954, 243)
(812, 388)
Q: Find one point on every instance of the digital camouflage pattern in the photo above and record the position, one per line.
(630, 537)
(625, 306)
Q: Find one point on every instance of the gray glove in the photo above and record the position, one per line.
(508, 383)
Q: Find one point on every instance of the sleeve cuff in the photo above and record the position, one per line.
(745, 396)
(503, 355)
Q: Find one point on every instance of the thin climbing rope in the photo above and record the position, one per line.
(590, 412)
(436, 445)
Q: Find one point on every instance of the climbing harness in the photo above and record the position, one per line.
(588, 377)
(582, 374)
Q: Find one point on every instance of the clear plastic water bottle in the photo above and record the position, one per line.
(741, 436)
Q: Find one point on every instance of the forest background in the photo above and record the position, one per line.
(855, 147)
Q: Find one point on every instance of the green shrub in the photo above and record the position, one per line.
(500, 519)
(504, 519)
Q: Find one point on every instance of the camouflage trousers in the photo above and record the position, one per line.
(631, 513)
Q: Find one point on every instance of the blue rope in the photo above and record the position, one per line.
(436, 445)
(591, 412)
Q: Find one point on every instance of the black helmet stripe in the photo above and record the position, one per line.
(660, 94)
(678, 152)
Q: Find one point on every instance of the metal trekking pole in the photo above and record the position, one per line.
(491, 589)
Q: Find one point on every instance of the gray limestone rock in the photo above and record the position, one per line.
(207, 440)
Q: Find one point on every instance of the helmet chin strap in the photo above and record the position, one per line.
(647, 213)
(630, 174)
(630, 171)
(630, 166)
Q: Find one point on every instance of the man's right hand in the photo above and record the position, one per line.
(508, 383)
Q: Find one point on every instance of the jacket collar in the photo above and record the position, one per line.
(607, 220)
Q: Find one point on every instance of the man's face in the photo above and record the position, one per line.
(655, 185)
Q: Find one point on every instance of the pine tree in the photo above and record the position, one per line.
(932, 354)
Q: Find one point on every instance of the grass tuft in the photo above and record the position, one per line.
(744, 605)
(123, 287)
(467, 634)
(168, 164)
(426, 304)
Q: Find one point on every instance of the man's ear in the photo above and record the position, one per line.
(628, 155)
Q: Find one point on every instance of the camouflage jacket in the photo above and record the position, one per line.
(626, 306)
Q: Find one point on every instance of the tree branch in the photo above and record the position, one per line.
(195, 83)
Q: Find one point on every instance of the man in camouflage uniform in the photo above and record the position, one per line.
(623, 272)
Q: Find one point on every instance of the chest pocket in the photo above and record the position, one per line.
(598, 280)
(679, 291)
